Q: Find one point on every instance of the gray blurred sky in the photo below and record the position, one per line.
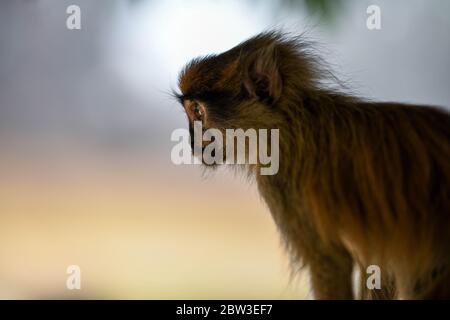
(105, 85)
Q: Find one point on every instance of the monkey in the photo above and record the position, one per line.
(360, 182)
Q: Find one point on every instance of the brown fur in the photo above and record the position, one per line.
(359, 181)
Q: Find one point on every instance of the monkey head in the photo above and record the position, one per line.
(244, 87)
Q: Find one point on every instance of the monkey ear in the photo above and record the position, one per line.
(262, 79)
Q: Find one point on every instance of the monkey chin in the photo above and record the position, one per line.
(226, 161)
(211, 165)
(245, 170)
(215, 162)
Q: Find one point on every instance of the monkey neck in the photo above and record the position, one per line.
(305, 134)
(307, 114)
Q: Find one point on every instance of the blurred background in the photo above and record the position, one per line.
(85, 121)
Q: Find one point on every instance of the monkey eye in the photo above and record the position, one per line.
(195, 110)
(198, 113)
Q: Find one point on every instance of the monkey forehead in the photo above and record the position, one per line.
(223, 71)
(195, 76)
(211, 73)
